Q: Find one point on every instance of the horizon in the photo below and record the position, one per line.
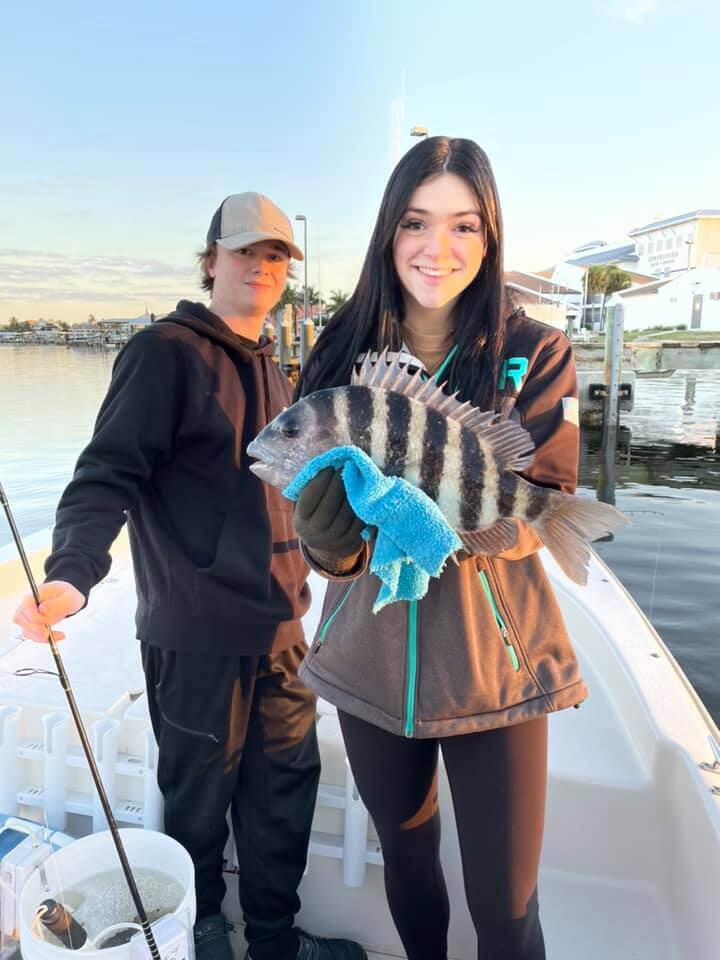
(129, 128)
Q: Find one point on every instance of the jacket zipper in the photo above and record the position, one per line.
(266, 388)
(509, 648)
(412, 669)
(412, 634)
(331, 616)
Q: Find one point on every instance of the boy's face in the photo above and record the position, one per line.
(250, 281)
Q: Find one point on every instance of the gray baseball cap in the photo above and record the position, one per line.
(246, 218)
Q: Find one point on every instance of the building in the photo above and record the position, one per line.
(667, 247)
(690, 298)
(545, 298)
(601, 253)
(119, 331)
(584, 310)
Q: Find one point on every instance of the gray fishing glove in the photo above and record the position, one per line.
(325, 521)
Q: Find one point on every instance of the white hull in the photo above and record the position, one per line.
(631, 858)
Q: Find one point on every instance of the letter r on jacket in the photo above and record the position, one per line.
(513, 369)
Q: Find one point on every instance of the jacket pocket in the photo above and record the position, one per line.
(499, 620)
(466, 669)
(241, 557)
(357, 651)
(334, 611)
(258, 565)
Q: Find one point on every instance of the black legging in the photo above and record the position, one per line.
(498, 782)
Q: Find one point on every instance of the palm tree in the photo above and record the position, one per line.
(595, 284)
(605, 279)
(337, 299)
(312, 297)
(615, 280)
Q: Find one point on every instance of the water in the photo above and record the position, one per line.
(665, 475)
(106, 901)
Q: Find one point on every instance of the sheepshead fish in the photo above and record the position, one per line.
(463, 459)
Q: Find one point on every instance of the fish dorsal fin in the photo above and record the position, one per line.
(394, 377)
(511, 444)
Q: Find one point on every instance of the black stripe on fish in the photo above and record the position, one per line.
(433, 457)
(536, 500)
(472, 475)
(360, 415)
(323, 403)
(398, 431)
(508, 485)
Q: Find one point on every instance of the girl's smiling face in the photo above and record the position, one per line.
(439, 243)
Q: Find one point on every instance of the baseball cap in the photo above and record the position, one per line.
(245, 218)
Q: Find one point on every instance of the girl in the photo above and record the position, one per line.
(475, 667)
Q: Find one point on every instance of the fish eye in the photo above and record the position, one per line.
(290, 429)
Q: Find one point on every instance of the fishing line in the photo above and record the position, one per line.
(31, 671)
(87, 749)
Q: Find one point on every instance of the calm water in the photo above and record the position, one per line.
(666, 478)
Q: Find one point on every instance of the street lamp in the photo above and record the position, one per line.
(419, 132)
(301, 216)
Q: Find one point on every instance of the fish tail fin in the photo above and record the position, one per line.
(567, 526)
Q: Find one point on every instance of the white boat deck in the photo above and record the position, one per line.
(631, 858)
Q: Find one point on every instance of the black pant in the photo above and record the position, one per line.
(238, 733)
(498, 784)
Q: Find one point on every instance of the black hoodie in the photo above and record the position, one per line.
(217, 563)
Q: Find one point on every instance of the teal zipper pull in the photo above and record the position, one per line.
(509, 648)
(504, 633)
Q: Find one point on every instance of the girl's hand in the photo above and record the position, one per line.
(325, 521)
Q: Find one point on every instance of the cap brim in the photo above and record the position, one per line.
(246, 239)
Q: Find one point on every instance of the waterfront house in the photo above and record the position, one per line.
(545, 298)
(690, 298)
(118, 331)
(670, 246)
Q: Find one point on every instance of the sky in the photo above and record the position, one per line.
(122, 129)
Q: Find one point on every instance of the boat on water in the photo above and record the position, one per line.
(631, 857)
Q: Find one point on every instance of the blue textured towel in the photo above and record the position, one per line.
(414, 539)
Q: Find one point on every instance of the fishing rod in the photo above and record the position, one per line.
(80, 727)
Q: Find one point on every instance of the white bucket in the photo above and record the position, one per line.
(93, 855)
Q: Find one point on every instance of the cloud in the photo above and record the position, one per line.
(635, 11)
(34, 276)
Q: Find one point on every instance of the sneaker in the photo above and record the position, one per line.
(321, 948)
(211, 938)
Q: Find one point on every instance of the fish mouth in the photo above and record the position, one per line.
(268, 467)
(254, 449)
(267, 474)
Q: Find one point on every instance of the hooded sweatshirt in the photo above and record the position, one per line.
(217, 563)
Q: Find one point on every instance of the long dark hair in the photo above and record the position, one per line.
(370, 319)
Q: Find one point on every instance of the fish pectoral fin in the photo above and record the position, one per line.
(500, 536)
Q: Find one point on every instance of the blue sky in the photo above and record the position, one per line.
(123, 129)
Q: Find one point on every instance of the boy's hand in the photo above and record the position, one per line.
(58, 600)
(325, 521)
